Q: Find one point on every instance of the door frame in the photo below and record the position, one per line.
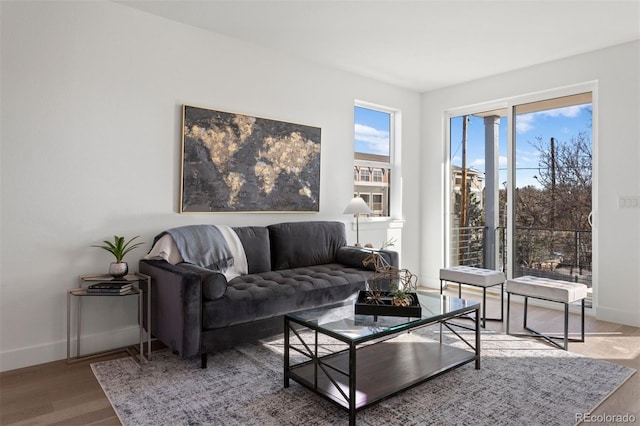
(509, 104)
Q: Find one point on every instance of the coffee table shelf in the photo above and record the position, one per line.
(414, 363)
(382, 357)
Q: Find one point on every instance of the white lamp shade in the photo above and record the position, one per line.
(357, 206)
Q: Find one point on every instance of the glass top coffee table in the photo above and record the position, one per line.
(356, 361)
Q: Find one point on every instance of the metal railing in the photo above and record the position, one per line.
(552, 253)
(467, 246)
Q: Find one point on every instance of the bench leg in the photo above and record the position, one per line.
(582, 321)
(484, 307)
(551, 339)
(484, 302)
(502, 302)
(508, 310)
(566, 326)
(441, 322)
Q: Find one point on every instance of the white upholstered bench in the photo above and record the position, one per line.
(477, 277)
(565, 292)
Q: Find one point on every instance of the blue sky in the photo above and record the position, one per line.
(371, 131)
(372, 136)
(561, 123)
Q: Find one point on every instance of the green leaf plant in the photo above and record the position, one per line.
(119, 247)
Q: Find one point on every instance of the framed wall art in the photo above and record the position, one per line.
(239, 163)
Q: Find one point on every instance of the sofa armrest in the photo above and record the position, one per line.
(214, 284)
(176, 305)
(353, 256)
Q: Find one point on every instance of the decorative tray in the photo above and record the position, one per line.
(381, 303)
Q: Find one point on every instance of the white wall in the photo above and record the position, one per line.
(91, 98)
(616, 159)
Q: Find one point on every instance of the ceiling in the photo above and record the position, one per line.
(419, 45)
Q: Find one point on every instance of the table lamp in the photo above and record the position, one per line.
(356, 207)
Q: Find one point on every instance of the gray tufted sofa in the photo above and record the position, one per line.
(291, 266)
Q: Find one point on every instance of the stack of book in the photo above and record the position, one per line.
(110, 287)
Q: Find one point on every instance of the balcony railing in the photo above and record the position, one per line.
(551, 253)
(467, 246)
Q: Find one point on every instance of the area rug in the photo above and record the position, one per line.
(521, 381)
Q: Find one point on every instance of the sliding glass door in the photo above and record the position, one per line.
(548, 181)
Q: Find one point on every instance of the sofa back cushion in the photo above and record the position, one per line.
(255, 241)
(299, 244)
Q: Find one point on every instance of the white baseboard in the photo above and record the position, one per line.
(55, 351)
(428, 282)
(618, 316)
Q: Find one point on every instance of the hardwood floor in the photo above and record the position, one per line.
(57, 393)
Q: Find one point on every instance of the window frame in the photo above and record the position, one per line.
(393, 165)
(509, 104)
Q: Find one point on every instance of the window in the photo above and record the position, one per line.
(377, 203)
(373, 145)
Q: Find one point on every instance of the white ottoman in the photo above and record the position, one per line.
(478, 277)
(565, 292)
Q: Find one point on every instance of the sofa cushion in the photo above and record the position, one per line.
(257, 248)
(259, 296)
(299, 244)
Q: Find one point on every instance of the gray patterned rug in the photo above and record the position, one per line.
(520, 382)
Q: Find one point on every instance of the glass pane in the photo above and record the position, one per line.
(478, 159)
(372, 132)
(372, 153)
(553, 188)
(376, 203)
(344, 322)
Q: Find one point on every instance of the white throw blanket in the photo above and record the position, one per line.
(240, 265)
(166, 248)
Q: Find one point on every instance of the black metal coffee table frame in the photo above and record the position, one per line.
(365, 374)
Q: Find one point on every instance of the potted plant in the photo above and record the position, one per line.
(119, 248)
(399, 299)
(403, 290)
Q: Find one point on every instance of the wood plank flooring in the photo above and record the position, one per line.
(59, 394)
(55, 394)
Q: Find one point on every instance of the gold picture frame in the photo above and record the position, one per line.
(240, 163)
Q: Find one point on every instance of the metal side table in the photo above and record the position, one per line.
(137, 280)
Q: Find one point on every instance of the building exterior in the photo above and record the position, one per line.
(475, 181)
(371, 177)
